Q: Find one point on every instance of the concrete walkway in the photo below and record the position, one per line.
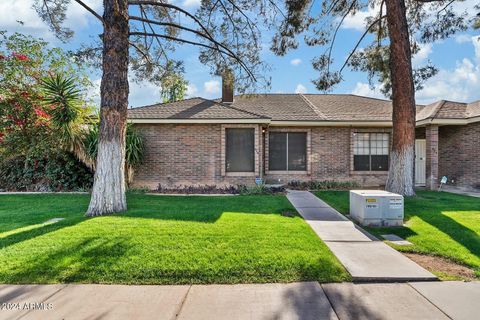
(461, 191)
(365, 258)
(304, 300)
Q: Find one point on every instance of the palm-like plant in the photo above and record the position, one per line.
(78, 128)
(68, 114)
(134, 148)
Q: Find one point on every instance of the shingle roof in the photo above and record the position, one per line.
(347, 107)
(286, 107)
(194, 108)
(299, 107)
(473, 109)
(449, 110)
(428, 111)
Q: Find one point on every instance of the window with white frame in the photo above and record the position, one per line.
(240, 150)
(287, 151)
(370, 151)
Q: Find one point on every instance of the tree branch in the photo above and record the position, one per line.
(148, 34)
(249, 21)
(379, 32)
(231, 21)
(140, 51)
(89, 10)
(170, 6)
(231, 55)
(174, 25)
(428, 1)
(207, 33)
(144, 13)
(445, 8)
(336, 31)
(332, 7)
(360, 40)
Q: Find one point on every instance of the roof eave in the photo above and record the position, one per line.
(456, 121)
(331, 123)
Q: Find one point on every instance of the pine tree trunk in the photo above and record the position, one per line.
(400, 175)
(108, 194)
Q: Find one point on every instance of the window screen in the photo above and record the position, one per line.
(277, 150)
(240, 144)
(297, 151)
(370, 151)
(288, 151)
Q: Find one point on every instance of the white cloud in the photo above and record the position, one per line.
(191, 3)
(94, 93)
(364, 89)
(357, 21)
(476, 44)
(295, 62)
(463, 38)
(143, 93)
(12, 11)
(140, 94)
(300, 88)
(192, 90)
(422, 54)
(211, 87)
(459, 84)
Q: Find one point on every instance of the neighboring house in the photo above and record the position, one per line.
(284, 137)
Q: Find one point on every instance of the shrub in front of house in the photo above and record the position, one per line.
(261, 189)
(59, 172)
(196, 189)
(213, 189)
(322, 185)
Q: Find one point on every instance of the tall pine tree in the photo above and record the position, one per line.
(396, 29)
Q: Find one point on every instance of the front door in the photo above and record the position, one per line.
(420, 160)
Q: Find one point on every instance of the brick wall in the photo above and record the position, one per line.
(195, 155)
(459, 148)
(184, 155)
(432, 156)
(330, 156)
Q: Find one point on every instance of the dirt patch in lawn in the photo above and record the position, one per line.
(446, 267)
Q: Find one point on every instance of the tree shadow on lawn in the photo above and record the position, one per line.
(461, 234)
(36, 231)
(200, 209)
(433, 213)
(203, 209)
(77, 262)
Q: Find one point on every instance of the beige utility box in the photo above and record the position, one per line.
(376, 208)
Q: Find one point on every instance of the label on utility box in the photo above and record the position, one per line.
(396, 204)
(371, 203)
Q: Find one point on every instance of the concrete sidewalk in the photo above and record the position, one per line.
(365, 258)
(304, 300)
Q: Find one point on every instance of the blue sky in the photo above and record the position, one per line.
(458, 58)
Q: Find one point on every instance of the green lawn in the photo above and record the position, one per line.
(437, 223)
(160, 240)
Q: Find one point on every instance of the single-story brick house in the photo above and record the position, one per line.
(283, 137)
